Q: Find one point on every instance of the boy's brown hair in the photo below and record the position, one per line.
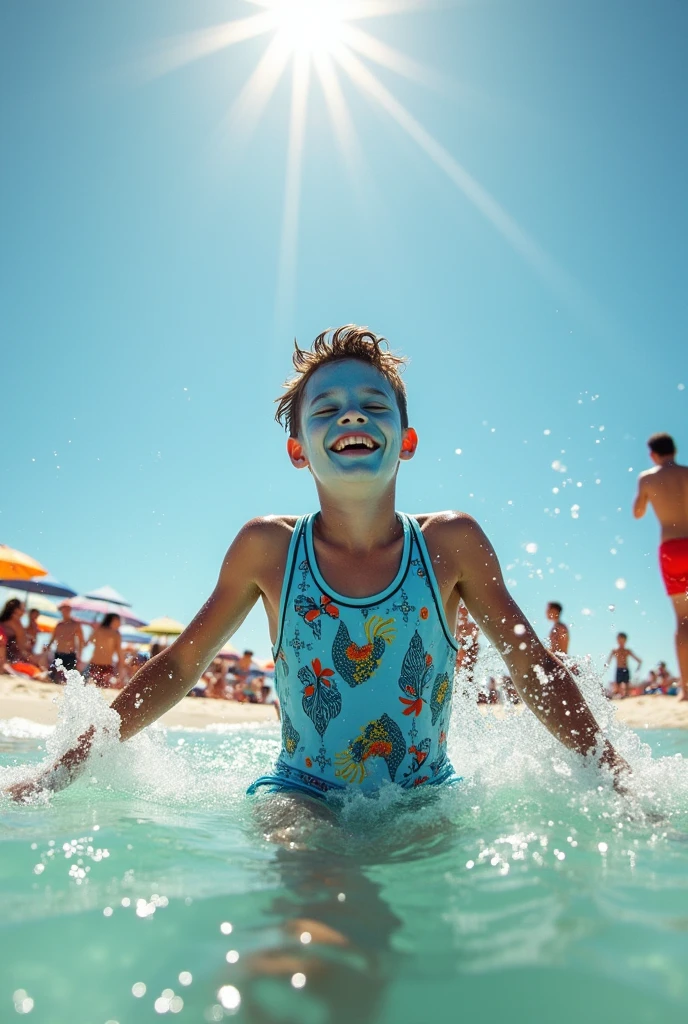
(333, 345)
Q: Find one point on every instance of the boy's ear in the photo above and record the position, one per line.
(409, 444)
(298, 459)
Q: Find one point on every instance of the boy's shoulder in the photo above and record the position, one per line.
(271, 529)
(448, 526)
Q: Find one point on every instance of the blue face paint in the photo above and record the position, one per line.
(350, 426)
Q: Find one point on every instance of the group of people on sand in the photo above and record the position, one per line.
(112, 664)
(64, 650)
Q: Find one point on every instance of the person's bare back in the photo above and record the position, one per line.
(665, 488)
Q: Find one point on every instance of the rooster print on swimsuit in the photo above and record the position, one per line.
(382, 739)
(374, 676)
(357, 664)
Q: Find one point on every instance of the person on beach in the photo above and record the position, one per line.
(621, 654)
(31, 632)
(559, 633)
(107, 643)
(358, 598)
(15, 634)
(665, 488)
(466, 632)
(68, 641)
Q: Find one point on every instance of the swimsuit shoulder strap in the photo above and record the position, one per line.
(297, 539)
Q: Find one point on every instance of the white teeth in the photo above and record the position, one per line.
(347, 442)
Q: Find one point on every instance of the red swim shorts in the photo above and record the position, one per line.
(673, 563)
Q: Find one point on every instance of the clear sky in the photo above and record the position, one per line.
(162, 245)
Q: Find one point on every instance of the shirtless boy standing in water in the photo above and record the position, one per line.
(622, 654)
(559, 633)
(358, 598)
(665, 488)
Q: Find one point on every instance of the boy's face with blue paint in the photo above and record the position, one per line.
(350, 428)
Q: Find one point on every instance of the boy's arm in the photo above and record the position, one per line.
(543, 682)
(163, 681)
(639, 660)
(609, 659)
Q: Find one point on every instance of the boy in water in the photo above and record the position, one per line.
(622, 654)
(358, 598)
(559, 633)
(665, 488)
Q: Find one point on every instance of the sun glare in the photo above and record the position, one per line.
(309, 26)
(318, 35)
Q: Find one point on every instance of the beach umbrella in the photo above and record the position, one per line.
(45, 625)
(15, 565)
(108, 594)
(163, 626)
(86, 610)
(38, 601)
(229, 653)
(41, 585)
(131, 636)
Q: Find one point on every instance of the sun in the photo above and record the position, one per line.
(309, 26)
(322, 42)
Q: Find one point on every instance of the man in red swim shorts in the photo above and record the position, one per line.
(665, 487)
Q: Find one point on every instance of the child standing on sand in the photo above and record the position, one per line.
(358, 598)
(622, 654)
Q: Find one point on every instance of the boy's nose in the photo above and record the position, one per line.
(352, 418)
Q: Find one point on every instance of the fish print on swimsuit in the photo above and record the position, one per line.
(321, 699)
(290, 737)
(356, 664)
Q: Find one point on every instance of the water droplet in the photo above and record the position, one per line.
(298, 980)
(620, 584)
(229, 996)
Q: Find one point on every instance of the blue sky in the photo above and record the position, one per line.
(145, 341)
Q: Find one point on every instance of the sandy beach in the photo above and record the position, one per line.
(38, 702)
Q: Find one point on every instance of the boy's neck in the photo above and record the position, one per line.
(357, 524)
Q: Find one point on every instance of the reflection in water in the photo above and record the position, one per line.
(333, 927)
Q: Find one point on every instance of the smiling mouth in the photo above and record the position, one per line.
(354, 444)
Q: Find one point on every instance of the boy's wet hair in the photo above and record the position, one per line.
(662, 444)
(557, 607)
(624, 635)
(334, 345)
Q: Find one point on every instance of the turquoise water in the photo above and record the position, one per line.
(532, 892)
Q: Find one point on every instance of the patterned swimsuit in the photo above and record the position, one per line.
(364, 684)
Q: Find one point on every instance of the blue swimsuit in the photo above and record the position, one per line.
(364, 684)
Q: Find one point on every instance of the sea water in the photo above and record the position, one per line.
(532, 892)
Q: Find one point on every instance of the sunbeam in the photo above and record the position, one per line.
(286, 277)
(342, 121)
(389, 58)
(555, 276)
(175, 53)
